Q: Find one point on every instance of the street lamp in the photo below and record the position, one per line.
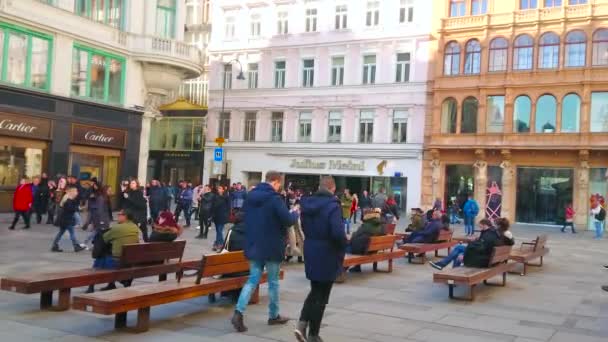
(240, 77)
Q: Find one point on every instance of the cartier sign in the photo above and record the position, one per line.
(25, 126)
(91, 135)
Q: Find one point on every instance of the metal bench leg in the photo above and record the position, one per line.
(143, 320)
(436, 253)
(162, 277)
(451, 289)
(471, 293)
(409, 257)
(541, 261)
(64, 300)
(524, 269)
(255, 297)
(120, 320)
(504, 279)
(390, 265)
(375, 267)
(46, 299)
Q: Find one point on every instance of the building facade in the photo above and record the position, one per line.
(519, 115)
(327, 88)
(79, 83)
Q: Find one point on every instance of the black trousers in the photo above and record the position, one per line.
(314, 305)
(144, 230)
(25, 215)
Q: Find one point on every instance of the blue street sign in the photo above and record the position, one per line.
(218, 154)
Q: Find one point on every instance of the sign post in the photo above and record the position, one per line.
(218, 158)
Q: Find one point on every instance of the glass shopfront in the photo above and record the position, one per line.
(598, 184)
(459, 183)
(542, 194)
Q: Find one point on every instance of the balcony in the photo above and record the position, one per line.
(548, 141)
(558, 14)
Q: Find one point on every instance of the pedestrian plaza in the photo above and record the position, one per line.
(560, 302)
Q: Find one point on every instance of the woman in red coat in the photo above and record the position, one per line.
(22, 203)
(354, 207)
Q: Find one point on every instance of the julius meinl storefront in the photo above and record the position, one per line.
(45, 133)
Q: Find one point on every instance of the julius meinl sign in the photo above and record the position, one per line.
(331, 165)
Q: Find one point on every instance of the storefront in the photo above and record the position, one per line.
(45, 133)
(171, 167)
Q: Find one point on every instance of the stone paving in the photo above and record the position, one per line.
(562, 302)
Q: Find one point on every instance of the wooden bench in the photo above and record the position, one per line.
(137, 261)
(471, 277)
(530, 251)
(143, 297)
(389, 228)
(381, 248)
(444, 241)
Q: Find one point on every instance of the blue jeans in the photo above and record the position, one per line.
(347, 225)
(62, 231)
(78, 218)
(453, 257)
(469, 225)
(599, 229)
(219, 235)
(453, 217)
(256, 268)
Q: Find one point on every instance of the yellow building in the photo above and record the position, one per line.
(519, 109)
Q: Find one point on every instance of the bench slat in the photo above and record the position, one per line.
(469, 275)
(353, 260)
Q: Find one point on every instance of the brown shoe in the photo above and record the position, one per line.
(237, 322)
(279, 320)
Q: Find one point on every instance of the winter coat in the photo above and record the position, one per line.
(205, 207)
(196, 195)
(137, 205)
(69, 208)
(41, 197)
(353, 207)
(359, 242)
(23, 197)
(325, 242)
(569, 214)
(100, 216)
(158, 197)
(378, 200)
(221, 209)
(478, 253)
(416, 223)
(266, 221)
(237, 198)
(238, 238)
(346, 202)
(470, 209)
(365, 202)
(428, 235)
(185, 197)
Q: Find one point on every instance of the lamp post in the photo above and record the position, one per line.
(240, 77)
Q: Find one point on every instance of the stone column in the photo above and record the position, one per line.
(581, 196)
(508, 178)
(481, 182)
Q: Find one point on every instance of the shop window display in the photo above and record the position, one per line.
(460, 182)
(542, 194)
(17, 162)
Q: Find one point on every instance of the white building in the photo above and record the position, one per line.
(331, 87)
(71, 67)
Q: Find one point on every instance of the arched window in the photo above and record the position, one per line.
(469, 115)
(571, 113)
(523, 52)
(548, 58)
(521, 114)
(451, 63)
(600, 47)
(448, 116)
(499, 48)
(472, 61)
(576, 48)
(546, 111)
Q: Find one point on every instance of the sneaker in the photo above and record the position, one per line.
(435, 266)
(198, 228)
(605, 288)
(56, 249)
(355, 269)
(300, 331)
(78, 248)
(11, 228)
(237, 322)
(279, 320)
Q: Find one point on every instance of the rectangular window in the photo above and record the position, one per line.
(282, 23)
(406, 12)
(341, 17)
(369, 69)
(400, 126)
(276, 133)
(527, 4)
(305, 127)
(224, 126)
(229, 28)
(97, 75)
(403, 67)
(25, 57)
(109, 12)
(252, 75)
(599, 112)
(311, 20)
(458, 8)
(279, 74)
(553, 3)
(334, 134)
(372, 17)
(479, 7)
(255, 26)
(165, 18)
(366, 127)
(250, 121)
(495, 114)
(337, 71)
(227, 76)
(308, 73)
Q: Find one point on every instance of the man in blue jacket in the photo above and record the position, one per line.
(184, 203)
(323, 254)
(266, 222)
(470, 211)
(238, 197)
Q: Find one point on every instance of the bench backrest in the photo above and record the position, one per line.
(540, 242)
(380, 243)
(151, 253)
(500, 254)
(224, 263)
(389, 228)
(444, 235)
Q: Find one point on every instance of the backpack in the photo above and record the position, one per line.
(476, 254)
(601, 216)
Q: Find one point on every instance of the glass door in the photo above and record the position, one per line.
(542, 194)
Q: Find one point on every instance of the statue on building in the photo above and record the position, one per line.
(436, 174)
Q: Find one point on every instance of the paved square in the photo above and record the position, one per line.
(562, 302)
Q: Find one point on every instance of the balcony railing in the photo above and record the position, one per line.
(150, 45)
(527, 16)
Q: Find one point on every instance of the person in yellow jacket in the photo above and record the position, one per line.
(346, 202)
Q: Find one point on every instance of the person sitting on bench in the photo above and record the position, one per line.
(235, 241)
(479, 252)
(430, 232)
(359, 242)
(124, 233)
(165, 229)
(416, 220)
